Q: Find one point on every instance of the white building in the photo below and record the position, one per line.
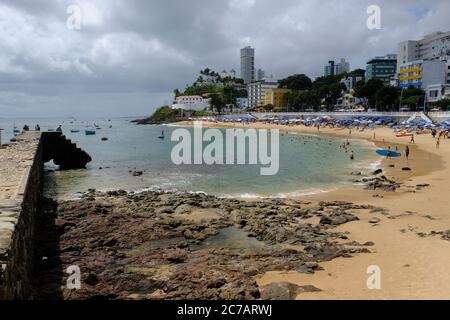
(197, 103)
(436, 92)
(257, 92)
(434, 46)
(351, 81)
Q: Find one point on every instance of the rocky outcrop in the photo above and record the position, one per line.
(63, 151)
(156, 245)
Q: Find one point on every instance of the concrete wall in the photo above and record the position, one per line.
(17, 228)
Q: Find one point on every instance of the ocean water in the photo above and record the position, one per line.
(308, 164)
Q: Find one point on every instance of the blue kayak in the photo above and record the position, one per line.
(388, 153)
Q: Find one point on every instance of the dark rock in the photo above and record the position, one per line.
(91, 279)
(374, 220)
(216, 283)
(137, 173)
(338, 218)
(284, 291)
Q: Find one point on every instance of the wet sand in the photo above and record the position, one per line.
(413, 263)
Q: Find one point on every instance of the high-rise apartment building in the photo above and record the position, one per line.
(248, 64)
(342, 66)
(434, 46)
(333, 68)
(382, 68)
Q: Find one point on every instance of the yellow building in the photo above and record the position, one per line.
(275, 97)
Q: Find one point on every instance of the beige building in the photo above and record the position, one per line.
(257, 93)
(275, 97)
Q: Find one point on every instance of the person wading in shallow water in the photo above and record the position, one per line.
(352, 155)
(407, 153)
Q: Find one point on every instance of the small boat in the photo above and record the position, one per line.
(404, 134)
(89, 132)
(74, 131)
(389, 153)
(162, 135)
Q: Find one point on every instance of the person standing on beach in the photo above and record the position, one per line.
(412, 139)
(407, 152)
(438, 141)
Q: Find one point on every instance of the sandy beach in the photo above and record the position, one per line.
(410, 251)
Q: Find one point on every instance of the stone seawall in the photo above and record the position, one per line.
(21, 187)
(20, 196)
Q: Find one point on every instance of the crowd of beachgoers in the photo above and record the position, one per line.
(402, 128)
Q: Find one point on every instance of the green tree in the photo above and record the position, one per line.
(413, 91)
(387, 98)
(444, 104)
(296, 82)
(330, 93)
(411, 101)
(217, 102)
(368, 90)
(358, 72)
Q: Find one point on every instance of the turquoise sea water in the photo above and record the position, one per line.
(308, 164)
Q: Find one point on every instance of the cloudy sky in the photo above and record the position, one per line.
(129, 55)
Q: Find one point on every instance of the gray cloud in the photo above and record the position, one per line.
(129, 55)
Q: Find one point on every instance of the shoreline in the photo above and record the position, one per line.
(404, 248)
(402, 232)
